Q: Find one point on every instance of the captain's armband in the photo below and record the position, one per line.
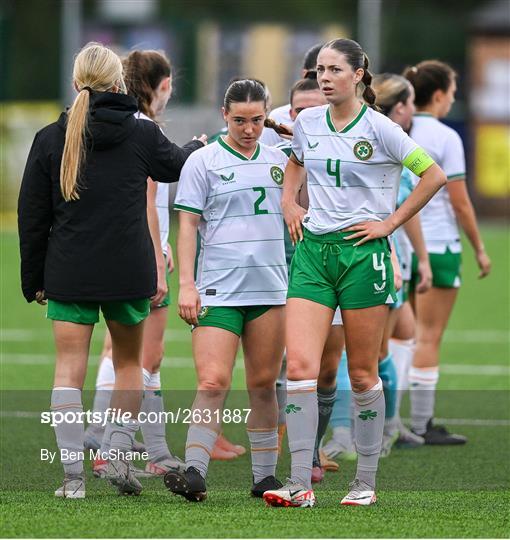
(418, 161)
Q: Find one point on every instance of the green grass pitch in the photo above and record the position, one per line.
(429, 492)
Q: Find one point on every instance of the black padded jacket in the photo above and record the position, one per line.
(97, 248)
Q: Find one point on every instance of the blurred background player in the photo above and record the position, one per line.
(435, 85)
(231, 193)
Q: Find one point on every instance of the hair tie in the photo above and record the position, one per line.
(89, 90)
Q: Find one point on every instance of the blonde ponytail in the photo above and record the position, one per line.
(95, 68)
(74, 148)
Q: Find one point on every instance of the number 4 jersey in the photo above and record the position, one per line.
(242, 254)
(353, 174)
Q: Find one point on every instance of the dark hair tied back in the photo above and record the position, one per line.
(244, 90)
(427, 77)
(143, 71)
(368, 93)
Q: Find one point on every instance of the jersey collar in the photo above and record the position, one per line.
(227, 147)
(350, 125)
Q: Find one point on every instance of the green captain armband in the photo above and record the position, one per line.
(418, 161)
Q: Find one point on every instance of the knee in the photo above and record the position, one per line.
(327, 377)
(153, 356)
(430, 337)
(214, 388)
(300, 368)
(362, 379)
(264, 380)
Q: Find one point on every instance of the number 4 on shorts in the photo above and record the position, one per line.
(334, 172)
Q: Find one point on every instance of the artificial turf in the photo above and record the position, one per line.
(429, 492)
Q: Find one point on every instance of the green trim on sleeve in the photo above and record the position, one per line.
(188, 209)
(456, 176)
(418, 161)
(297, 160)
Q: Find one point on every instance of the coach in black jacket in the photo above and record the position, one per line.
(85, 245)
(97, 248)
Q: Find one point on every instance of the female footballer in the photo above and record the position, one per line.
(230, 192)
(352, 157)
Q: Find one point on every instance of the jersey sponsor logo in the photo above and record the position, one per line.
(367, 415)
(381, 287)
(210, 292)
(277, 175)
(363, 150)
(227, 179)
(203, 312)
(312, 146)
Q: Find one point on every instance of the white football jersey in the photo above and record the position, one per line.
(162, 195)
(242, 254)
(444, 145)
(353, 174)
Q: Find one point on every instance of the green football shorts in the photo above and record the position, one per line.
(446, 270)
(129, 312)
(229, 318)
(330, 270)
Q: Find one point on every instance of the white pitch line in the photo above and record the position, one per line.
(49, 359)
(187, 362)
(8, 335)
(472, 369)
(184, 335)
(472, 422)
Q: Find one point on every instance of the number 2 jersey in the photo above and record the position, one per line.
(242, 254)
(353, 174)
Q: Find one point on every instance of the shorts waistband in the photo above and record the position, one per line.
(334, 237)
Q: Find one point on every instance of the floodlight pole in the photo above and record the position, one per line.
(70, 41)
(369, 31)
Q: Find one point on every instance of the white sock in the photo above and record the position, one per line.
(199, 446)
(154, 432)
(423, 382)
(264, 452)
(302, 419)
(69, 434)
(402, 352)
(369, 412)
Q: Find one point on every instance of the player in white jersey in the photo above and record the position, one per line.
(395, 99)
(231, 194)
(352, 157)
(283, 114)
(148, 77)
(435, 85)
(304, 94)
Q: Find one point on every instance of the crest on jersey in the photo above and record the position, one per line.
(363, 150)
(203, 312)
(277, 175)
